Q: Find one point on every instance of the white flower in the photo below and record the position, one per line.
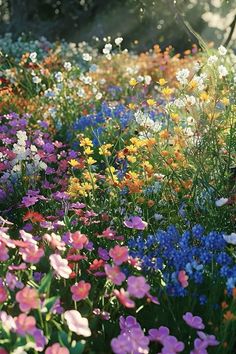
(36, 79)
(81, 92)
(108, 47)
(182, 76)
(33, 57)
(67, 65)
(77, 323)
(147, 79)
(179, 103)
(87, 57)
(118, 40)
(98, 96)
(222, 71)
(222, 201)
(59, 76)
(60, 266)
(222, 50)
(230, 238)
(191, 100)
(212, 59)
(49, 93)
(158, 217)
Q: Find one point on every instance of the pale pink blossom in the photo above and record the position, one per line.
(123, 297)
(56, 349)
(77, 323)
(28, 299)
(119, 254)
(60, 266)
(24, 324)
(78, 240)
(183, 278)
(114, 274)
(31, 254)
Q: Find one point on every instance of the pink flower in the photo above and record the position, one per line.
(60, 266)
(77, 323)
(114, 274)
(3, 294)
(3, 351)
(135, 222)
(21, 266)
(78, 240)
(57, 349)
(80, 291)
(3, 252)
(24, 324)
(193, 321)
(119, 254)
(137, 286)
(183, 278)
(31, 254)
(7, 321)
(123, 297)
(28, 299)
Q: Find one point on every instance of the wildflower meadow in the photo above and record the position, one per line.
(117, 198)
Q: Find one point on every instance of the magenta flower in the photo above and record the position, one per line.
(28, 299)
(183, 278)
(77, 323)
(193, 321)
(135, 222)
(126, 324)
(56, 349)
(137, 286)
(123, 297)
(3, 252)
(60, 266)
(78, 240)
(80, 291)
(114, 274)
(3, 294)
(119, 254)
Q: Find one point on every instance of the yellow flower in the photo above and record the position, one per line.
(225, 101)
(204, 96)
(167, 91)
(131, 159)
(175, 117)
(73, 162)
(88, 151)
(104, 149)
(164, 134)
(162, 82)
(151, 102)
(86, 142)
(131, 105)
(133, 82)
(91, 161)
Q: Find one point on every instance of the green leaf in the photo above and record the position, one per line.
(77, 348)
(45, 283)
(50, 302)
(63, 339)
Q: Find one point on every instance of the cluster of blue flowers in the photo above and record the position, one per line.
(201, 255)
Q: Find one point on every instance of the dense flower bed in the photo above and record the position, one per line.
(117, 199)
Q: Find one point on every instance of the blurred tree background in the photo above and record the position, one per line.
(142, 23)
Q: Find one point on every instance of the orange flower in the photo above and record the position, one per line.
(229, 316)
(33, 216)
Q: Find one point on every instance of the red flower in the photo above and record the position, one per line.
(33, 216)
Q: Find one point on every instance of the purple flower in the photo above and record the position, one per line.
(103, 253)
(133, 342)
(137, 286)
(135, 222)
(29, 201)
(171, 345)
(126, 324)
(193, 321)
(158, 335)
(209, 338)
